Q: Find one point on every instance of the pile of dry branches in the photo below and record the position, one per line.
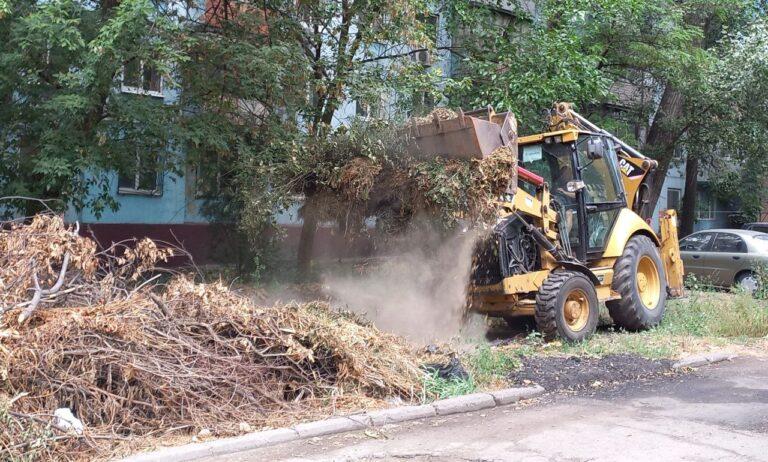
(46, 262)
(148, 358)
(397, 190)
(367, 170)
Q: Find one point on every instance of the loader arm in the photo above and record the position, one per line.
(670, 253)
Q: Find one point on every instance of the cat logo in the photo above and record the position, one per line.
(601, 278)
(628, 169)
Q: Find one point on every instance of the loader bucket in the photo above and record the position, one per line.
(475, 134)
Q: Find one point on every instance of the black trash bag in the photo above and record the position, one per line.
(452, 370)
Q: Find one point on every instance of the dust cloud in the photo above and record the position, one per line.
(419, 292)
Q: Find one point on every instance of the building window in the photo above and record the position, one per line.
(143, 178)
(141, 79)
(706, 206)
(211, 178)
(673, 199)
(366, 109)
(362, 109)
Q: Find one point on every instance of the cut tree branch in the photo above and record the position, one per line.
(39, 292)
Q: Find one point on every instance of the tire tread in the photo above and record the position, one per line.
(545, 311)
(625, 311)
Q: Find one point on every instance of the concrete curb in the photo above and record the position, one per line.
(334, 425)
(701, 360)
(465, 403)
(512, 395)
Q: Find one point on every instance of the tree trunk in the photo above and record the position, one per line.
(662, 138)
(309, 210)
(307, 238)
(688, 207)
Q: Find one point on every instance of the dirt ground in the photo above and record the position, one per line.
(572, 373)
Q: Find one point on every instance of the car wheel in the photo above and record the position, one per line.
(748, 282)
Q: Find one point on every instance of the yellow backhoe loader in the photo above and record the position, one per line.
(573, 233)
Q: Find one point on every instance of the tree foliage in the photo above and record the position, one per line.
(577, 51)
(663, 63)
(257, 91)
(734, 95)
(60, 62)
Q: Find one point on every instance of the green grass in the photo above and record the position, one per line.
(436, 387)
(699, 322)
(486, 367)
(704, 318)
(490, 364)
(713, 314)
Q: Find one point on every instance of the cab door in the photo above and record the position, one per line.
(603, 193)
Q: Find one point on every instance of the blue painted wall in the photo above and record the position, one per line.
(170, 207)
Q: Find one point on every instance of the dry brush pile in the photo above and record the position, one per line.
(130, 357)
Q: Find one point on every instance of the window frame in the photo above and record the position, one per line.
(714, 249)
(589, 208)
(710, 212)
(134, 90)
(136, 190)
(679, 192)
(582, 163)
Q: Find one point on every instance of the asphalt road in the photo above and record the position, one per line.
(719, 412)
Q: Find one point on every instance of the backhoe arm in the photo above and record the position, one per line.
(670, 253)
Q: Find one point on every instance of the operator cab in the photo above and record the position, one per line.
(583, 177)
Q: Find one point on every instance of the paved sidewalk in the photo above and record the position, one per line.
(719, 412)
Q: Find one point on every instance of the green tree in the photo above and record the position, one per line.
(576, 51)
(591, 52)
(61, 120)
(254, 81)
(731, 142)
(340, 51)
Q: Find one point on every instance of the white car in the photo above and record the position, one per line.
(725, 257)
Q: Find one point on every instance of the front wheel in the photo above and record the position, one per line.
(638, 277)
(567, 307)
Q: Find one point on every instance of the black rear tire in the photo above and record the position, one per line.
(553, 314)
(631, 311)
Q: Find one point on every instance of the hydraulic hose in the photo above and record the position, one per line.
(541, 239)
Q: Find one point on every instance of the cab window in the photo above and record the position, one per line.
(550, 161)
(599, 175)
(554, 163)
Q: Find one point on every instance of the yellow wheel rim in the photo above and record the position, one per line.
(576, 310)
(648, 282)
